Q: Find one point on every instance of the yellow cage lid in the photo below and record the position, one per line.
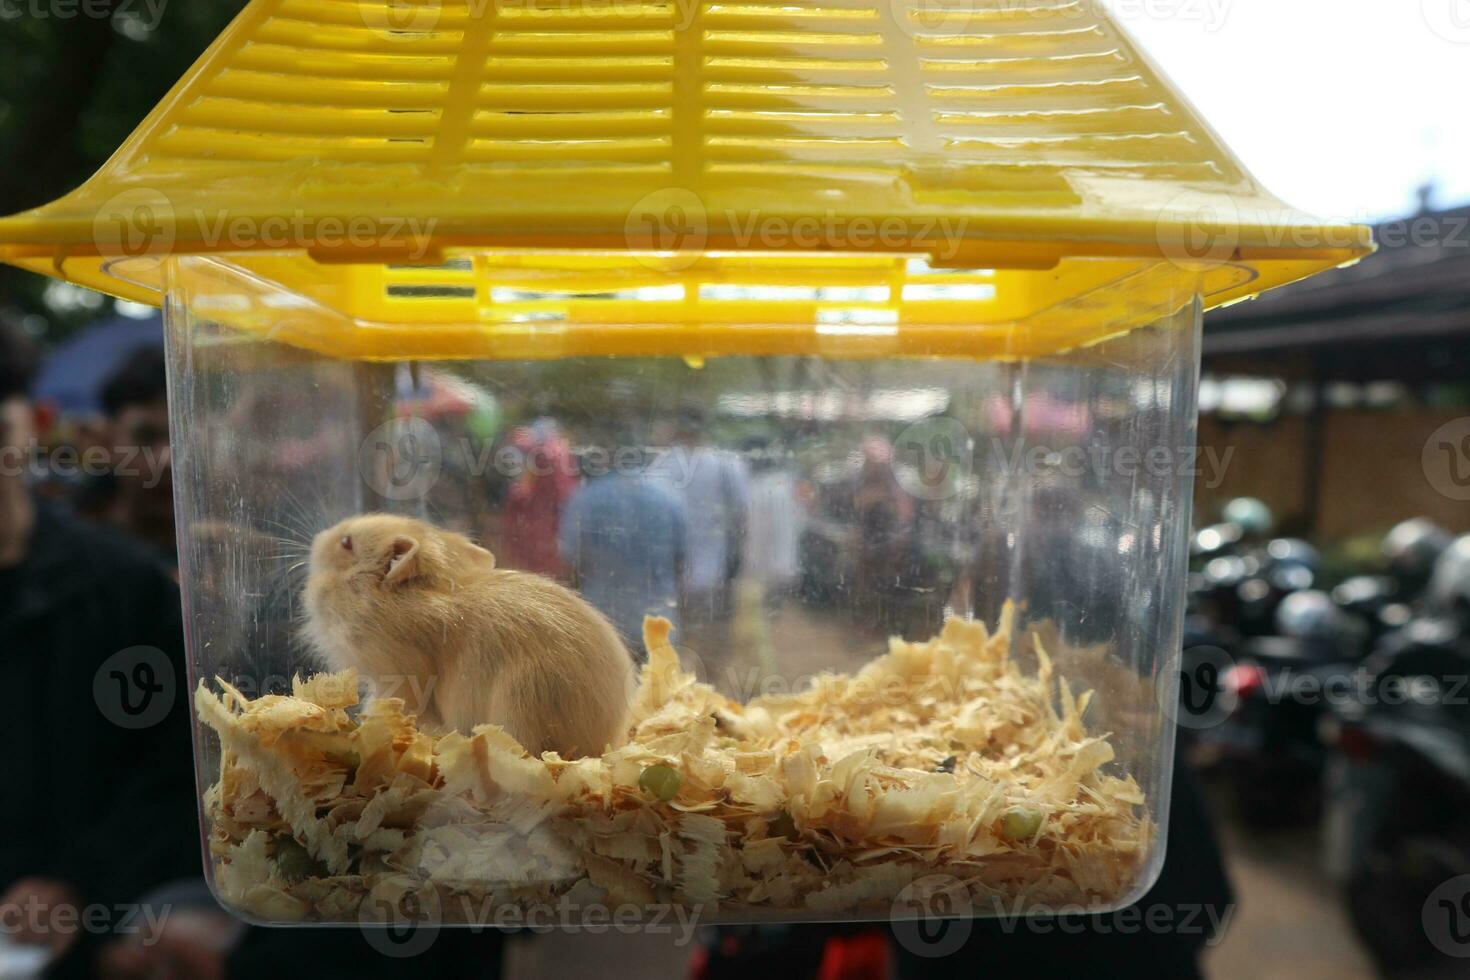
(484, 151)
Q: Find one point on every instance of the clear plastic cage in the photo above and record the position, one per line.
(922, 616)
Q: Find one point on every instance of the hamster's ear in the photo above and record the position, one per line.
(480, 556)
(405, 561)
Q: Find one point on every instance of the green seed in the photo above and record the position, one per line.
(294, 862)
(660, 781)
(1020, 823)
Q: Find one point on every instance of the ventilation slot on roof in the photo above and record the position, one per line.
(401, 291)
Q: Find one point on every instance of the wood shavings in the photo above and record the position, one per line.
(826, 801)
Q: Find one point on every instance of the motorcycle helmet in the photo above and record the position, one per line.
(1310, 615)
(1365, 594)
(1412, 547)
(1253, 516)
(1215, 539)
(1292, 564)
(1449, 588)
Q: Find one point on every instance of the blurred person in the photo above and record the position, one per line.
(771, 563)
(97, 804)
(465, 420)
(536, 498)
(883, 513)
(774, 519)
(715, 489)
(192, 936)
(136, 494)
(625, 539)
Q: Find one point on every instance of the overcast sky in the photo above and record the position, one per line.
(1340, 107)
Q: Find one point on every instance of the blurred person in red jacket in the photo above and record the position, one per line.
(536, 498)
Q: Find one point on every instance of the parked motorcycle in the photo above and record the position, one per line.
(1398, 777)
(1399, 787)
(1267, 748)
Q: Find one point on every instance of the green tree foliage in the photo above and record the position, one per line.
(79, 75)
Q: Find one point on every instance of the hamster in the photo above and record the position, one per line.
(426, 611)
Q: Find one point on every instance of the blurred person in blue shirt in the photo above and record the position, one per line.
(624, 538)
(714, 485)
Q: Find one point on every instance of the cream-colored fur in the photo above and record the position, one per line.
(424, 614)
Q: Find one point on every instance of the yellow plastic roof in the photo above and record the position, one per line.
(323, 145)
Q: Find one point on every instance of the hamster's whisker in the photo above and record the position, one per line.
(292, 534)
(280, 559)
(307, 517)
(285, 539)
(281, 555)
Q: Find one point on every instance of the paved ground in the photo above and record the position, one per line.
(1289, 922)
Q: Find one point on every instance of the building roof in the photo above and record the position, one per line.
(1402, 313)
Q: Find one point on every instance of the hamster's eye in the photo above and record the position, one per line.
(346, 542)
